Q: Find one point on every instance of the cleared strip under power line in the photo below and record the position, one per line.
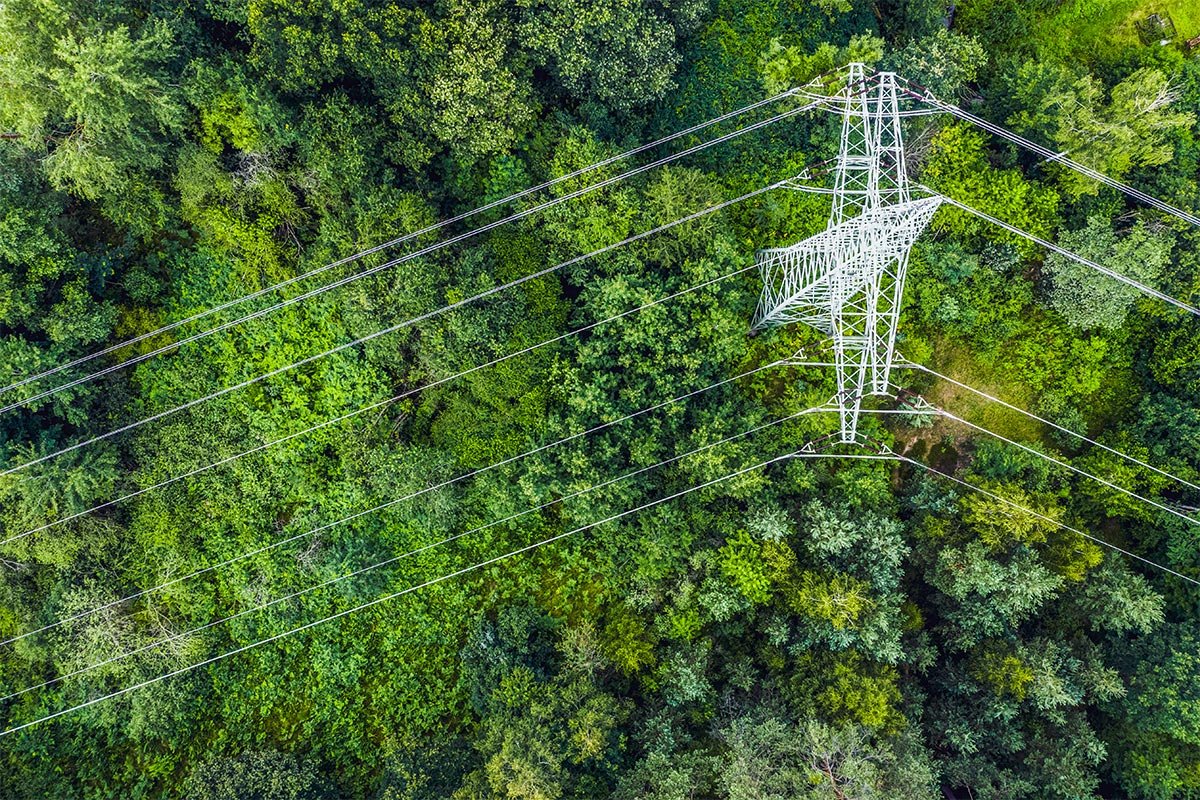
(906, 364)
(1069, 466)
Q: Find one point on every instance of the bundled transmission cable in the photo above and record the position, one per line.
(1062, 251)
(402, 239)
(417, 587)
(979, 392)
(1061, 158)
(1069, 466)
(886, 452)
(413, 255)
(1097, 540)
(410, 553)
(373, 406)
(392, 328)
(390, 503)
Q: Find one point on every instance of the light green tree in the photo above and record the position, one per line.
(1070, 113)
(770, 758)
(1089, 299)
(787, 66)
(537, 733)
(943, 62)
(256, 775)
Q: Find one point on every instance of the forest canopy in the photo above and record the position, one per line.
(312, 312)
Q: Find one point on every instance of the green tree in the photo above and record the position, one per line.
(942, 61)
(539, 741)
(1089, 299)
(256, 776)
(1159, 740)
(788, 66)
(1132, 129)
(49, 303)
(620, 53)
(769, 758)
(464, 85)
(958, 167)
(446, 73)
(94, 99)
(755, 567)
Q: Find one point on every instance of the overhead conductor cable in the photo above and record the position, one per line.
(408, 554)
(368, 408)
(393, 595)
(906, 364)
(1049, 519)
(390, 329)
(388, 504)
(1061, 158)
(400, 240)
(1071, 467)
(413, 255)
(1062, 251)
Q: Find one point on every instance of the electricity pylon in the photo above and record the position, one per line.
(848, 280)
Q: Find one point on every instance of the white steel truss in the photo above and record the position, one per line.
(848, 280)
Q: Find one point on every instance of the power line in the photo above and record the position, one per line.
(1141, 287)
(1063, 525)
(1069, 466)
(388, 504)
(847, 281)
(410, 256)
(401, 239)
(396, 558)
(1044, 421)
(426, 584)
(1061, 158)
(886, 453)
(394, 595)
(391, 329)
(881, 456)
(371, 407)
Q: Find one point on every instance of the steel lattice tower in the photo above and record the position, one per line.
(848, 280)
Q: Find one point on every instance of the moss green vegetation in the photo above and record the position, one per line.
(809, 629)
(1090, 31)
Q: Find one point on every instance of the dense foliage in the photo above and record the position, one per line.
(805, 629)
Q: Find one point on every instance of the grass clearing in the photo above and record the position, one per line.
(1088, 30)
(1184, 13)
(963, 367)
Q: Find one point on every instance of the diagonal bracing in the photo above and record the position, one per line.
(848, 280)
